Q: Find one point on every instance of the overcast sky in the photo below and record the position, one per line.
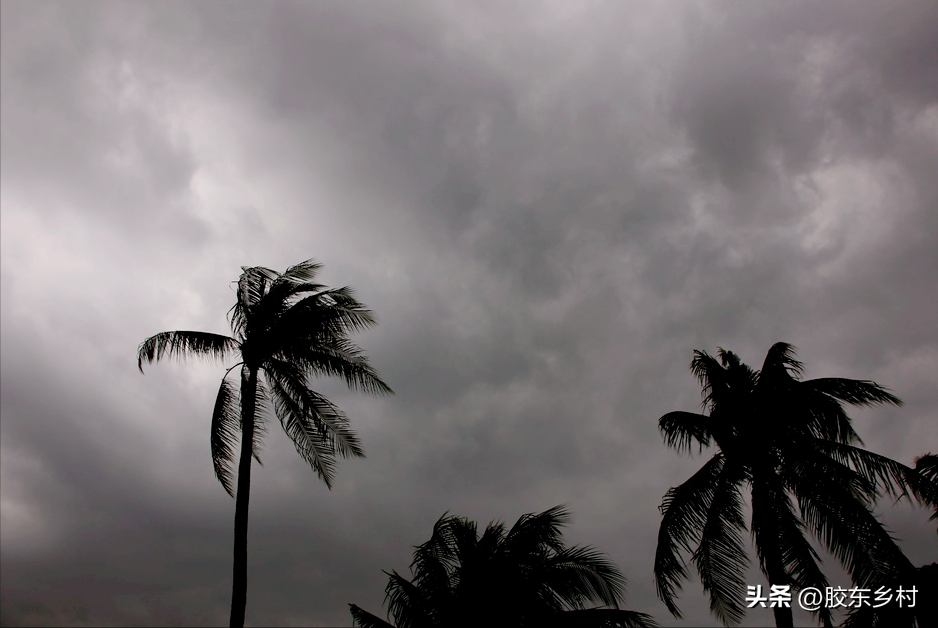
(548, 206)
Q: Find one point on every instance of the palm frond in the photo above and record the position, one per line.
(406, 603)
(311, 441)
(254, 284)
(436, 553)
(581, 574)
(364, 619)
(710, 374)
(924, 481)
(684, 514)
(850, 531)
(431, 568)
(338, 357)
(812, 459)
(464, 539)
(770, 507)
(326, 416)
(681, 429)
(237, 320)
(810, 411)
(781, 359)
(226, 418)
(728, 359)
(603, 618)
(182, 344)
(924, 614)
(927, 466)
(721, 558)
(535, 530)
(882, 472)
(335, 311)
(492, 541)
(302, 273)
(856, 392)
(779, 535)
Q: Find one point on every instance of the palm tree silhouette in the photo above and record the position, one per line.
(287, 328)
(787, 441)
(520, 577)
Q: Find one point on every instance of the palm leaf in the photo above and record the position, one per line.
(330, 422)
(856, 392)
(538, 530)
(302, 273)
(226, 418)
(311, 442)
(924, 481)
(406, 603)
(721, 558)
(780, 360)
(779, 535)
(681, 429)
(182, 344)
(364, 619)
(582, 574)
(880, 471)
(295, 280)
(254, 284)
(684, 514)
(336, 311)
(850, 531)
(603, 618)
(338, 357)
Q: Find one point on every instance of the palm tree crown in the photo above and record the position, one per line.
(286, 329)
(520, 577)
(789, 442)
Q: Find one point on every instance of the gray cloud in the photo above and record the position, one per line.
(548, 208)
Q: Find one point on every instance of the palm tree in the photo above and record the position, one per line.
(520, 577)
(787, 441)
(286, 329)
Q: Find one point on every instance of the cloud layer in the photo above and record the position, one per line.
(548, 208)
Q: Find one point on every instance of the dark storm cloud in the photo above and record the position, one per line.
(76, 119)
(548, 208)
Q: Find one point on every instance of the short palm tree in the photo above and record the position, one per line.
(788, 442)
(520, 577)
(286, 329)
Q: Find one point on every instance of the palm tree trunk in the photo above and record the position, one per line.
(239, 588)
(783, 617)
(783, 614)
(766, 496)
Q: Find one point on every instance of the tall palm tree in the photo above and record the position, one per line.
(286, 329)
(520, 577)
(787, 441)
